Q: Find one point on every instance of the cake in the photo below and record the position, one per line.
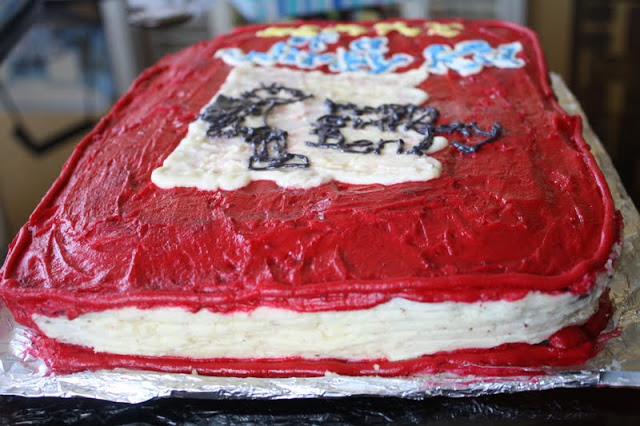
(381, 198)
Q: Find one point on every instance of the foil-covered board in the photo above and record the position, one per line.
(617, 364)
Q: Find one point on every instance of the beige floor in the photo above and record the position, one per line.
(25, 176)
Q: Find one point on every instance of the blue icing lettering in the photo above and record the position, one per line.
(314, 60)
(433, 55)
(316, 43)
(294, 56)
(364, 54)
(368, 54)
(289, 56)
(232, 55)
(506, 57)
(347, 60)
(366, 44)
(470, 57)
(379, 64)
(267, 58)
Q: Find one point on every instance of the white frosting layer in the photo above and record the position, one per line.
(219, 163)
(397, 330)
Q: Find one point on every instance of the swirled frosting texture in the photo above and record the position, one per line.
(530, 211)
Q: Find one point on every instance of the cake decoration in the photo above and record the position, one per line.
(389, 117)
(364, 54)
(315, 43)
(226, 117)
(444, 29)
(211, 159)
(384, 28)
(381, 28)
(471, 56)
(309, 49)
(302, 30)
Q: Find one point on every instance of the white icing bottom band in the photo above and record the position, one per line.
(397, 330)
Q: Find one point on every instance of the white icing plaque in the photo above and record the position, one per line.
(222, 162)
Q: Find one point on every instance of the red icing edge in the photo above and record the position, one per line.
(531, 211)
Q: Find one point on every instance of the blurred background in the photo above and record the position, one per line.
(63, 63)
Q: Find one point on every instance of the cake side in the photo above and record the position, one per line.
(570, 346)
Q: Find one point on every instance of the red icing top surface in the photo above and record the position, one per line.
(529, 211)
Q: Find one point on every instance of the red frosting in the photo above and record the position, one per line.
(530, 211)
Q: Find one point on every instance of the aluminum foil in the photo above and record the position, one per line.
(618, 364)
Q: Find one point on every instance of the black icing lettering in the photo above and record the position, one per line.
(390, 117)
(227, 115)
(226, 118)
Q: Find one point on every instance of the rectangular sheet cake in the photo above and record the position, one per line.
(380, 198)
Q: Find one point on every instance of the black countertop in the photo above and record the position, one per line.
(561, 406)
